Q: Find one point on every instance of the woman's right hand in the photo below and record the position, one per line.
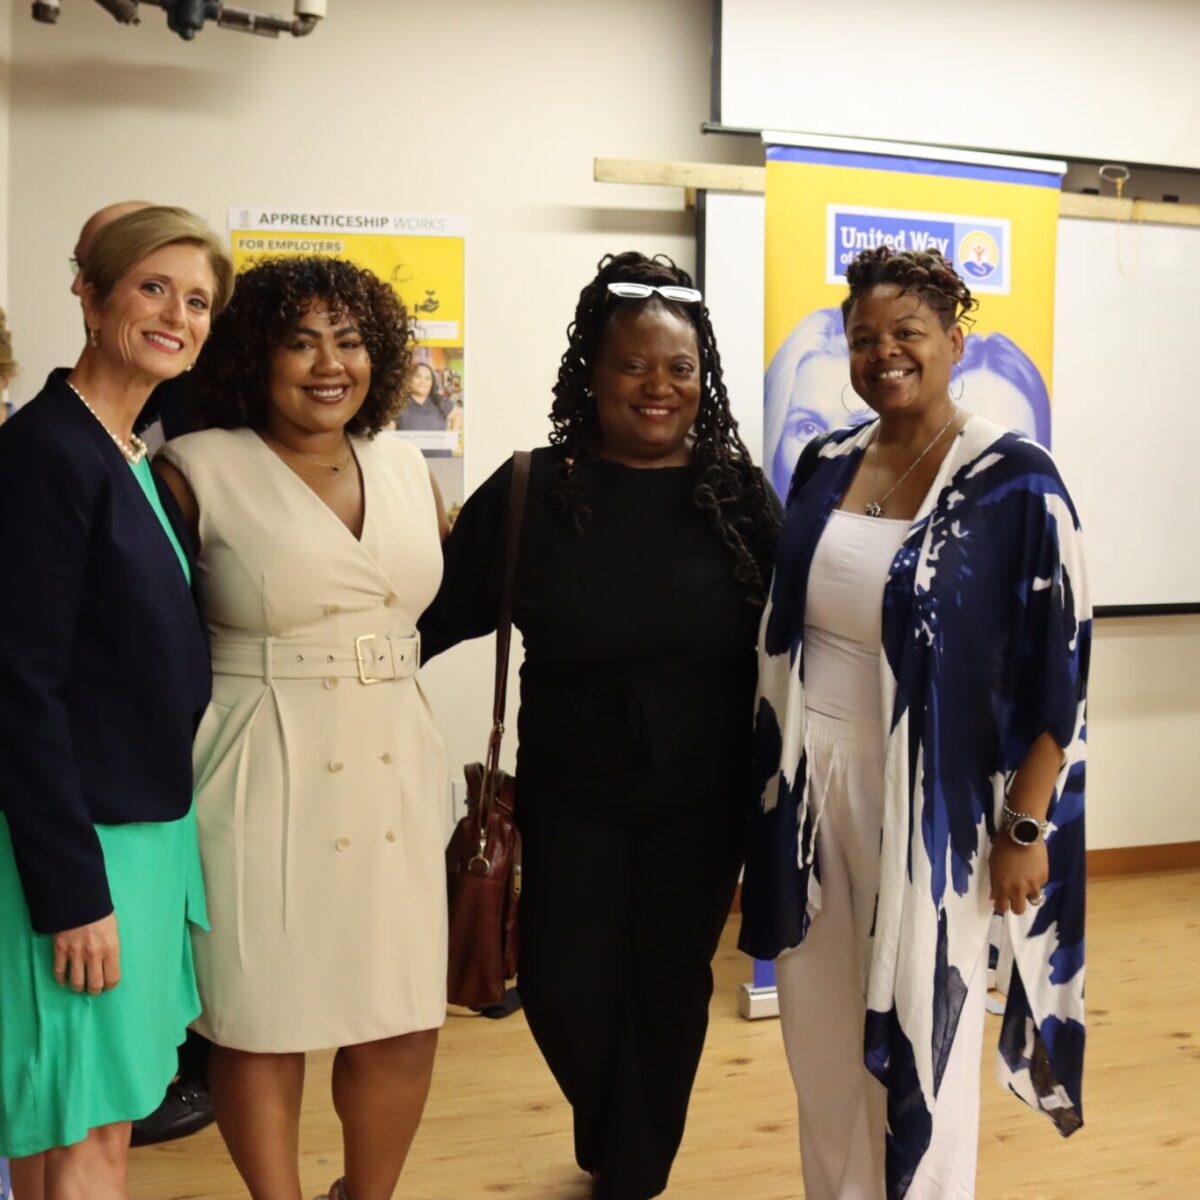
(89, 956)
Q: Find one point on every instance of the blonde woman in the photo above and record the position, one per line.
(103, 675)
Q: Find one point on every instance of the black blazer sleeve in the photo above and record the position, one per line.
(468, 601)
(45, 530)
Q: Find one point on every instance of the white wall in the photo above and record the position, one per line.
(1143, 726)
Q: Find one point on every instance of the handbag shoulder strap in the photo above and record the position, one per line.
(518, 487)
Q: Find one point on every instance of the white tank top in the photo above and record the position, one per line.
(843, 622)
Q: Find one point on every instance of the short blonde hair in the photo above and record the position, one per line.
(120, 245)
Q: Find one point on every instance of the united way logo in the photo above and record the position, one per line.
(979, 247)
(978, 255)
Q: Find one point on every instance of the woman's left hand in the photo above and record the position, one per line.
(1018, 873)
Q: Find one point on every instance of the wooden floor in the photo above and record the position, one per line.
(497, 1127)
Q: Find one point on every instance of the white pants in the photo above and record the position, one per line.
(822, 998)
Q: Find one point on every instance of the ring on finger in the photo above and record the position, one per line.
(1038, 900)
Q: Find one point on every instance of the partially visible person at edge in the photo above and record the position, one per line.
(643, 567)
(103, 675)
(940, 554)
(320, 776)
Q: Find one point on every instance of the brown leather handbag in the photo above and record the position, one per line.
(483, 859)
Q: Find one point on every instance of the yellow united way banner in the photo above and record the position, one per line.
(423, 257)
(995, 219)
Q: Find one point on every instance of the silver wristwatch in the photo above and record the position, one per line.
(1021, 828)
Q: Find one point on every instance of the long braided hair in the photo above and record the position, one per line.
(727, 487)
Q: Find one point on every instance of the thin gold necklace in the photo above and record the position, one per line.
(874, 508)
(134, 450)
(336, 468)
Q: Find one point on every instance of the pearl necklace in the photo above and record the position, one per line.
(133, 450)
(874, 508)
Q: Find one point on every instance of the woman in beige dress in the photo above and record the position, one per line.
(321, 778)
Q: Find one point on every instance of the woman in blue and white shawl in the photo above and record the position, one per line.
(920, 748)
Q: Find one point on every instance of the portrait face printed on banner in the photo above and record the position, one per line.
(432, 416)
(1001, 382)
(421, 383)
(807, 390)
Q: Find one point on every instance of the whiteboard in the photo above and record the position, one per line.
(1126, 408)
(1081, 79)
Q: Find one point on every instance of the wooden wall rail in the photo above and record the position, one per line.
(719, 177)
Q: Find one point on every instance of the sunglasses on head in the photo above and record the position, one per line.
(641, 291)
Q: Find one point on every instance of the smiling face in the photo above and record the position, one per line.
(647, 386)
(154, 321)
(420, 382)
(900, 355)
(319, 374)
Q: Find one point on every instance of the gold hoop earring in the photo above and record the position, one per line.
(962, 382)
(849, 411)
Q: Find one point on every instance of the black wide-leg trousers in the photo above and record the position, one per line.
(620, 920)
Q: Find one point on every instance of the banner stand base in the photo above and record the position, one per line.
(754, 1003)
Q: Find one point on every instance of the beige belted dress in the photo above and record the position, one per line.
(321, 780)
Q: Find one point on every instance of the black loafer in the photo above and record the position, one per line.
(185, 1109)
(509, 1003)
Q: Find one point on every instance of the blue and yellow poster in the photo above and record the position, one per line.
(423, 257)
(996, 223)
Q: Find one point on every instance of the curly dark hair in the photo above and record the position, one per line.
(727, 486)
(925, 273)
(233, 372)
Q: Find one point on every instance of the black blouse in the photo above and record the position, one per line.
(637, 689)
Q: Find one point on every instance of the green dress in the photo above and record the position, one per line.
(70, 1062)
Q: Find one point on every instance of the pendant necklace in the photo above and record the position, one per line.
(133, 450)
(335, 468)
(874, 508)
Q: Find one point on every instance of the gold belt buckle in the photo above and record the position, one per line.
(359, 642)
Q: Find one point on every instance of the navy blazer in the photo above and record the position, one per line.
(104, 665)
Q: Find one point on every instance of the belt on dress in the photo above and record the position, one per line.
(370, 658)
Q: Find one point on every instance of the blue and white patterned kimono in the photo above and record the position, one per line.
(986, 639)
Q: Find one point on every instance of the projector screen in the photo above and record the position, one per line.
(1077, 79)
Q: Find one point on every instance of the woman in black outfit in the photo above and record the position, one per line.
(644, 559)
